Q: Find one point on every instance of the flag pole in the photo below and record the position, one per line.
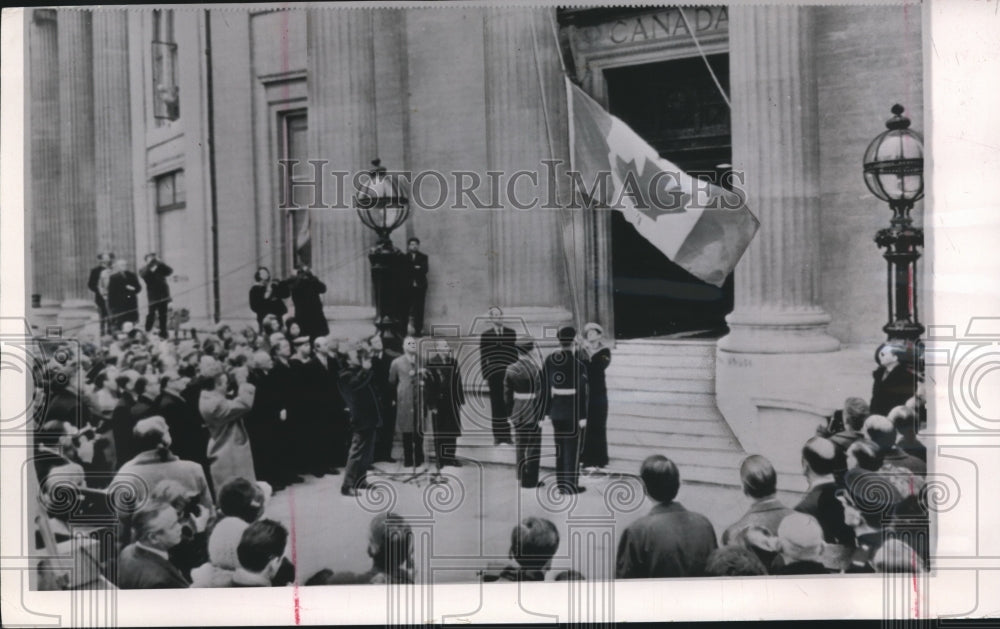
(568, 220)
(704, 57)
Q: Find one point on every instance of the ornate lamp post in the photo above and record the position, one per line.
(894, 172)
(382, 204)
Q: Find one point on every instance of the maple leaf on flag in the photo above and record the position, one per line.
(653, 190)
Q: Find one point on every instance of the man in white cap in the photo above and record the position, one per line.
(800, 540)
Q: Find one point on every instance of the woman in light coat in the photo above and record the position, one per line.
(229, 454)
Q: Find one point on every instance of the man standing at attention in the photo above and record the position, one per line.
(416, 284)
(496, 353)
(155, 274)
(98, 284)
(566, 394)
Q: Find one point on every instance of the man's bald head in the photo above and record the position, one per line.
(822, 456)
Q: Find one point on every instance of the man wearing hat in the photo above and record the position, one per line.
(565, 395)
(800, 546)
(523, 395)
(155, 274)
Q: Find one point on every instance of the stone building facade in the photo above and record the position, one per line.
(161, 131)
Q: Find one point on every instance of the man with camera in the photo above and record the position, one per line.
(357, 387)
(155, 274)
(305, 290)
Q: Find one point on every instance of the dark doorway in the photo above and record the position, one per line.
(676, 107)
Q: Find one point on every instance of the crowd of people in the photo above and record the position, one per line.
(202, 431)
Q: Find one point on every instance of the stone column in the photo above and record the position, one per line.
(776, 144)
(76, 135)
(342, 131)
(46, 243)
(528, 268)
(112, 134)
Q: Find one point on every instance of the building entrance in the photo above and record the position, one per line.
(676, 107)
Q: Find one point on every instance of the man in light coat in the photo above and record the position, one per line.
(404, 379)
(229, 454)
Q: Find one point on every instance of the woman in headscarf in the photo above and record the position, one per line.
(595, 439)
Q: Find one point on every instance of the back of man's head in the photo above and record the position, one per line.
(867, 454)
(758, 477)
(144, 521)
(880, 430)
(261, 543)
(240, 498)
(733, 561)
(533, 542)
(661, 478)
(822, 456)
(904, 419)
(856, 411)
(150, 433)
(390, 540)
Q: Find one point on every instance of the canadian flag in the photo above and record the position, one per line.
(699, 226)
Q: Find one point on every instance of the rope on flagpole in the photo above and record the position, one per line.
(570, 274)
(704, 57)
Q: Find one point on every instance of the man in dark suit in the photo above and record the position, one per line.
(331, 428)
(155, 274)
(670, 541)
(99, 288)
(145, 564)
(759, 483)
(565, 380)
(497, 351)
(123, 291)
(382, 358)
(190, 435)
(362, 399)
(415, 271)
(305, 290)
(821, 458)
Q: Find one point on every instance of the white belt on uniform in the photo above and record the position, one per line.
(556, 391)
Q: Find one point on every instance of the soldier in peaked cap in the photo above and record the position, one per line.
(524, 398)
(565, 394)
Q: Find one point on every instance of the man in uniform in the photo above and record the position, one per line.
(496, 353)
(523, 396)
(565, 379)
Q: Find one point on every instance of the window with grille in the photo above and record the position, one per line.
(166, 92)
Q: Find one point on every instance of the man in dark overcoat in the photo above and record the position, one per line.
(443, 398)
(496, 353)
(155, 274)
(356, 385)
(305, 290)
(415, 269)
(123, 291)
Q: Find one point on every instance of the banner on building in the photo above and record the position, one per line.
(699, 226)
